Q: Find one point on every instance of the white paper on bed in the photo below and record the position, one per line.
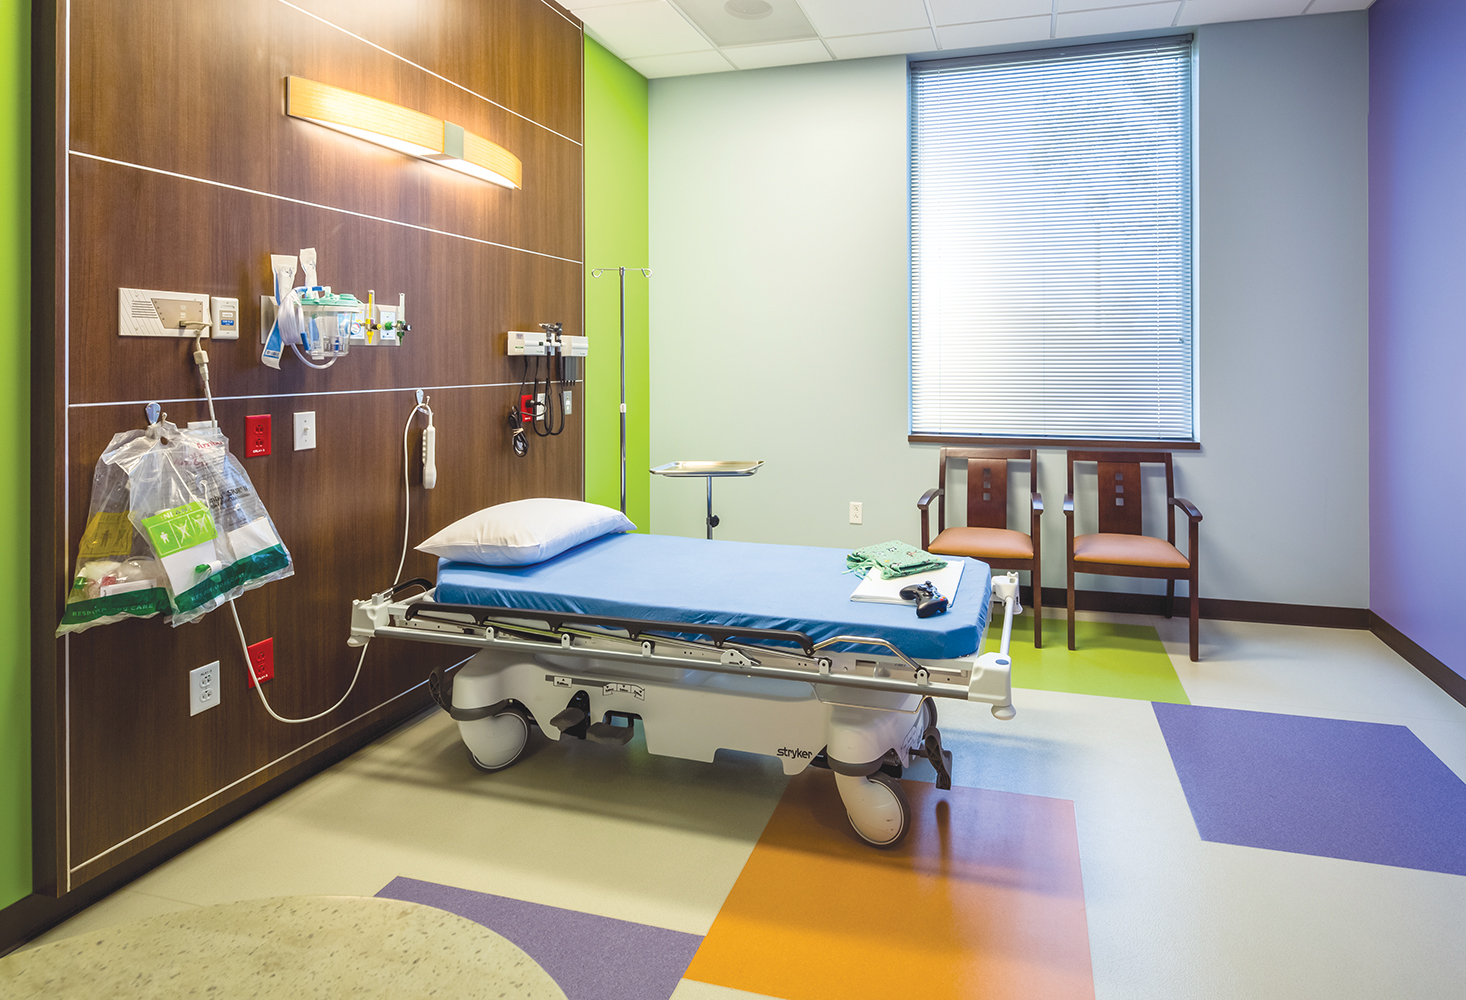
(877, 591)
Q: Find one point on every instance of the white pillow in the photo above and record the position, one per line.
(524, 531)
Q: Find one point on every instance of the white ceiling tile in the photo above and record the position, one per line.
(886, 43)
(1066, 6)
(779, 54)
(864, 17)
(681, 64)
(1211, 11)
(1110, 19)
(967, 11)
(649, 28)
(1017, 29)
(1334, 6)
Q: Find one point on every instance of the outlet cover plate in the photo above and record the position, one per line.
(262, 659)
(257, 435)
(305, 430)
(203, 688)
(857, 512)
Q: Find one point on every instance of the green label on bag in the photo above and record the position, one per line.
(137, 603)
(180, 528)
(237, 574)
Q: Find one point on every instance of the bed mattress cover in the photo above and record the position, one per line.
(670, 578)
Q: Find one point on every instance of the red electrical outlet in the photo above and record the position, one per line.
(262, 659)
(526, 409)
(257, 435)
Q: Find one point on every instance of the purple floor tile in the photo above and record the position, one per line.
(1360, 791)
(590, 957)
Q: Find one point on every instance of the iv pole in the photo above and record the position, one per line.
(646, 272)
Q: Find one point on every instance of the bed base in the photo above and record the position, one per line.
(699, 689)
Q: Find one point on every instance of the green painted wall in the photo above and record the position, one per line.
(15, 381)
(616, 182)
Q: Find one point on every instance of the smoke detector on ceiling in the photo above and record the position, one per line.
(748, 22)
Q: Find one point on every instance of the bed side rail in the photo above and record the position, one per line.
(485, 614)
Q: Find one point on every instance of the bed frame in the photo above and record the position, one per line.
(699, 689)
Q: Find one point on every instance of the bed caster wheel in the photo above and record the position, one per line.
(498, 741)
(876, 806)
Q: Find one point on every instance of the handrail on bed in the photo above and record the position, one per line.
(635, 627)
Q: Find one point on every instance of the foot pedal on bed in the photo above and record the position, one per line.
(941, 760)
(604, 732)
(568, 719)
(572, 719)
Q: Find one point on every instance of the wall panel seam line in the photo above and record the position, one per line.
(312, 204)
(568, 21)
(66, 422)
(295, 395)
(453, 83)
(265, 767)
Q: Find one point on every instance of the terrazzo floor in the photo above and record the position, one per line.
(663, 843)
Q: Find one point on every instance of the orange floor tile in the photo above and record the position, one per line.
(984, 899)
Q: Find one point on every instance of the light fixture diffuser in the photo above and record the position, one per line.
(403, 130)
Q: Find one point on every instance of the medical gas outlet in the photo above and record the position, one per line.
(317, 324)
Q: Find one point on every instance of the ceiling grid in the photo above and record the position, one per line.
(685, 37)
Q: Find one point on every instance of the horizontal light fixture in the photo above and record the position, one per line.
(402, 129)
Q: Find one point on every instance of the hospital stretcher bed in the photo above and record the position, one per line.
(712, 645)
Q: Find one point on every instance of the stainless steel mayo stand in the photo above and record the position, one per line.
(708, 471)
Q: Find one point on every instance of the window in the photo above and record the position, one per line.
(1051, 290)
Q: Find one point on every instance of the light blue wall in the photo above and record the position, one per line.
(779, 308)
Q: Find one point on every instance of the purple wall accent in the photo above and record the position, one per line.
(1417, 321)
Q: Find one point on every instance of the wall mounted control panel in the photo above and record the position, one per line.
(147, 312)
(226, 318)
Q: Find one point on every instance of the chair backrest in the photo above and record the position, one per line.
(987, 482)
(1119, 487)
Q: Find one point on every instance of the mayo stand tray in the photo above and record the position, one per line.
(708, 471)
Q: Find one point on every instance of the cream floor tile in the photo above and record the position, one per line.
(1337, 673)
(122, 907)
(1172, 916)
(610, 831)
(690, 989)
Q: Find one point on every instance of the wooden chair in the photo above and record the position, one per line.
(1119, 548)
(986, 535)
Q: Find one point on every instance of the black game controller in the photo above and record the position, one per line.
(928, 601)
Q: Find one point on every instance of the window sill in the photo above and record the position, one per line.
(1088, 444)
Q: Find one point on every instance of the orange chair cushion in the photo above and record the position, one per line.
(983, 543)
(1129, 550)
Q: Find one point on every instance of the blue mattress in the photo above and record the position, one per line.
(670, 578)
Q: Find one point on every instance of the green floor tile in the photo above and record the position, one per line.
(1116, 661)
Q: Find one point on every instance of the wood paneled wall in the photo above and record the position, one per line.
(175, 167)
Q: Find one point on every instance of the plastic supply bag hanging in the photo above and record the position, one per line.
(203, 522)
(116, 575)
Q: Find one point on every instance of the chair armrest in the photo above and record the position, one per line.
(1036, 501)
(1188, 507)
(1068, 504)
(928, 497)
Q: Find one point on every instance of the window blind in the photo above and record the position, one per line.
(1051, 290)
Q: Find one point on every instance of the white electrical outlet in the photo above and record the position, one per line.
(305, 430)
(565, 401)
(203, 688)
(857, 512)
